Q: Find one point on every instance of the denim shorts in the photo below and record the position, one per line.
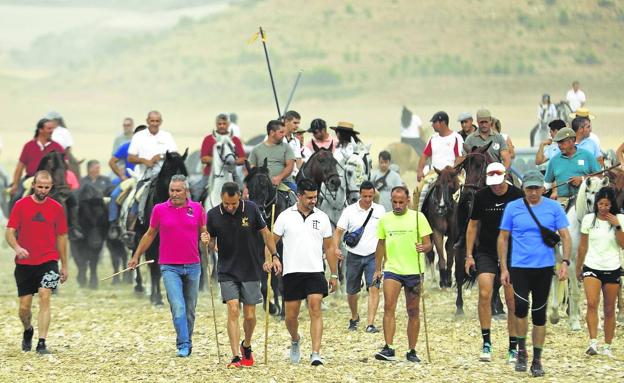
(356, 266)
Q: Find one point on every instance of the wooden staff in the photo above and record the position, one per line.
(128, 269)
(588, 175)
(268, 298)
(214, 314)
(422, 290)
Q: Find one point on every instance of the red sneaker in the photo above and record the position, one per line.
(235, 363)
(247, 360)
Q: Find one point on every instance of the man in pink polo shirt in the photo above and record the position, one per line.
(180, 222)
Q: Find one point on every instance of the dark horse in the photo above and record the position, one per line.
(264, 194)
(158, 192)
(321, 168)
(54, 163)
(439, 208)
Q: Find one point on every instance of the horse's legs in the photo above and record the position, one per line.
(496, 303)
(93, 263)
(450, 260)
(438, 241)
(430, 258)
(156, 295)
(116, 260)
(459, 281)
(554, 300)
(573, 284)
(203, 257)
(79, 258)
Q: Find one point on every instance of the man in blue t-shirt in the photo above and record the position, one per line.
(567, 168)
(532, 262)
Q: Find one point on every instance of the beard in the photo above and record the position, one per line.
(40, 196)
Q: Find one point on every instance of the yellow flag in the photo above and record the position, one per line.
(253, 38)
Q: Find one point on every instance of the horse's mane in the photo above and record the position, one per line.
(255, 170)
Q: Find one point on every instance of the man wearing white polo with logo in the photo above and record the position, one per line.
(148, 147)
(305, 231)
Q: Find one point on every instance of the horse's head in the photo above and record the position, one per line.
(224, 150)
(258, 181)
(587, 194)
(173, 164)
(321, 167)
(474, 164)
(54, 163)
(444, 187)
(354, 174)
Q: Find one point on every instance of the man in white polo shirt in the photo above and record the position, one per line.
(361, 256)
(305, 231)
(148, 147)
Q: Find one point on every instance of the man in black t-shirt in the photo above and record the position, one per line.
(485, 220)
(238, 229)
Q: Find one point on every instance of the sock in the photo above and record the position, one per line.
(606, 346)
(593, 342)
(521, 343)
(537, 352)
(485, 333)
(513, 343)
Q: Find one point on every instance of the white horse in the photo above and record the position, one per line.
(584, 204)
(223, 169)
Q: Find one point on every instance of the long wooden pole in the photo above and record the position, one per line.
(128, 269)
(268, 300)
(214, 314)
(422, 289)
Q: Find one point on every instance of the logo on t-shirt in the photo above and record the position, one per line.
(315, 224)
(245, 222)
(496, 146)
(189, 212)
(38, 217)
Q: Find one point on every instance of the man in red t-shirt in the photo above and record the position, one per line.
(41, 225)
(222, 128)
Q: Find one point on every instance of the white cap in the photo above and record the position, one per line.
(495, 179)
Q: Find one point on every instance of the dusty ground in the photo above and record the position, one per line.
(113, 335)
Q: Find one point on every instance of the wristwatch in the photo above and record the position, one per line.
(276, 255)
(334, 276)
(566, 261)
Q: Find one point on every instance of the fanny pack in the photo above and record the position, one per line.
(550, 238)
(353, 238)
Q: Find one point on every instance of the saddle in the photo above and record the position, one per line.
(127, 186)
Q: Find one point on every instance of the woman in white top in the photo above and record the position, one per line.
(598, 264)
(546, 111)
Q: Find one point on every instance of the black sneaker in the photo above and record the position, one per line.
(386, 353)
(412, 357)
(27, 339)
(42, 349)
(371, 329)
(536, 368)
(353, 324)
(521, 361)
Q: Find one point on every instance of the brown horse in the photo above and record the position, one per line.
(439, 208)
(321, 168)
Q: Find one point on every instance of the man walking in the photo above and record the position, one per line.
(361, 216)
(179, 221)
(404, 236)
(305, 232)
(42, 227)
(532, 262)
(235, 227)
(487, 211)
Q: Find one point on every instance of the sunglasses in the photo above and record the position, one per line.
(496, 173)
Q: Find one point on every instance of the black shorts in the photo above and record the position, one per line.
(298, 286)
(30, 278)
(486, 263)
(605, 276)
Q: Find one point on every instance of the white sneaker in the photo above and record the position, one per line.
(295, 351)
(592, 349)
(486, 353)
(606, 351)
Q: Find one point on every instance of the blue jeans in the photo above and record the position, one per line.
(291, 185)
(182, 285)
(113, 208)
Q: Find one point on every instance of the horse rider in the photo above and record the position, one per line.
(583, 129)
(222, 128)
(548, 149)
(94, 178)
(279, 156)
(497, 124)
(485, 135)
(126, 135)
(443, 149)
(123, 175)
(345, 135)
(320, 137)
(546, 110)
(576, 97)
(292, 122)
(32, 154)
(467, 126)
(489, 204)
(584, 112)
(234, 128)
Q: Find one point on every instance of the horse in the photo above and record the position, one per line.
(4, 197)
(541, 131)
(158, 192)
(321, 168)
(265, 195)
(404, 155)
(439, 208)
(92, 214)
(577, 208)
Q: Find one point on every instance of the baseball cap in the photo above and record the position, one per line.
(532, 178)
(495, 173)
(484, 114)
(564, 133)
(464, 116)
(440, 116)
(317, 124)
(556, 124)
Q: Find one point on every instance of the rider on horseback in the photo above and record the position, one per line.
(223, 129)
(486, 134)
(279, 155)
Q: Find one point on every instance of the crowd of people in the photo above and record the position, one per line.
(511, 238)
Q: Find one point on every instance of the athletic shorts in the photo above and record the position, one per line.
(356, 266)
(248, 293)
(30, 278)
(410, 282)
(486, 263)
(605, 276)
(298, 286)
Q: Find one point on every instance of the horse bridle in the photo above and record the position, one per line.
(232, 153)
(480, 180)
(266, 205)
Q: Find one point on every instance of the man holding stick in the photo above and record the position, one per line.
(42, 227)
(235, 227)
(180, 222)
(404, 237)
(306, 232)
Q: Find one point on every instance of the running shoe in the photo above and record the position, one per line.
(512, 355)
(386, 354)
(353, 323)
(592, 349)
(606, 351)
(371, 329)
(295, 351)
(183, 352)
(536, 368)
(486, 353)
(521, 361)
(27, 339)
(315, 359)
(247, 355)
(42, 349)
(235, 363)
(412, 357)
